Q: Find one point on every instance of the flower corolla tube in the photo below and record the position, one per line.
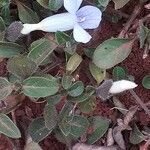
(87, 17)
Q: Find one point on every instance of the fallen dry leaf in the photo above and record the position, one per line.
(110, 139)
(118, 137)
(129, 115)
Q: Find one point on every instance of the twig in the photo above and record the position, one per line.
(135, 13)
(16, 141)
(118, 12)
(139, 101)
(143, 20)
(146, 50)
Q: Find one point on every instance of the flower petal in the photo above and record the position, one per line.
(90, 15)
(80, 35)
(122, 85)
(72, 5)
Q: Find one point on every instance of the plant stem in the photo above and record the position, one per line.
(135, 13)
(140, 102)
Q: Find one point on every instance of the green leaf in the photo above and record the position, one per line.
(21, 66)
(74, 125)
(90, 90)
(79, 126)
(13, 79)
(100, 126)
(136, 136)
(119, 73)
(104, 3)
(120, 3)
(74, 62)
(63, 118)
(65, 126)
(146, 82)
(76, 89)
(37, 130)
(26, 14)
(8, 49)
(70, 47)
(2, 29)
(4, 2)
(111, 52)
(89, 52)
(66, 81)
(2, 24)
(87, 106)
(53, 100)
(40, 50)
(5, 13)
(62, 38)
(8, 128)
(60, 136)
(55, 4)
(43, 3)
(50, 116)
(65, 110)
(78, 99)
(97, 73)
(143, 34)
(2, 36)
(5, 88)
(40, 87)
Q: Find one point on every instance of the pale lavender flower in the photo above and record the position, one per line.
(87, 17)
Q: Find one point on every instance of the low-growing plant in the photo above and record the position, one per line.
(31, 64)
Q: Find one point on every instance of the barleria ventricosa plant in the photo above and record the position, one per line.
(44, 66)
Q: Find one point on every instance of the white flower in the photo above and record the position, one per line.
(122, 85)
(87, 17)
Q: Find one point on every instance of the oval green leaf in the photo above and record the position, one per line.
(40, 50)
(146, 82)
(40, 87)
(76, 89)
(37, 130)
(79, 126)
(74, 62)
(100, 126)
(62, 37)
(2, 24)
(87, 106)
(53, 100)
(111, 52)
(5, 88)
(21, 66)
(8, 128)
(74, 125)
(26, 14)
(55, 4)
(78, 99)
(97, 73)
(103, 3)
(136, 136)
(8, 49)
(66, 81)
(119, 73)
(50, 116)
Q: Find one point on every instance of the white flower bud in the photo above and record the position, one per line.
(122, 85)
